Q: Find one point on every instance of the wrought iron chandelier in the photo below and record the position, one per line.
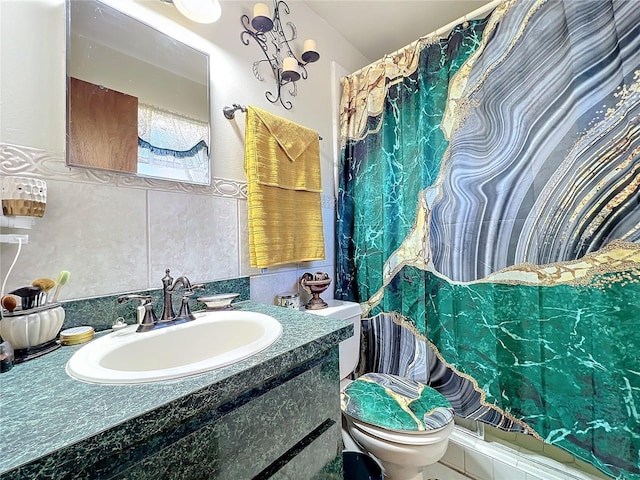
(270, 36)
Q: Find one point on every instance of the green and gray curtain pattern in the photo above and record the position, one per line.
(489, 199)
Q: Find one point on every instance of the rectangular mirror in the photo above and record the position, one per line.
(137, 99)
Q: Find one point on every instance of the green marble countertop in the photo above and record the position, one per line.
(43, 411)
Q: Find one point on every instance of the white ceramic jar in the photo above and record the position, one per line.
(30, 328)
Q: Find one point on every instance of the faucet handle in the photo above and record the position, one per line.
(149, 319)
(198, 286)
(145, 315)
(185, 310)
(144, 299)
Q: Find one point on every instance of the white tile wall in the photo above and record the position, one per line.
(454, 456)
(264, 288)
(478, 465)
(194, 235)
(482, 460)
(439, 471)
(117, 233)
(507, 472)
(81, 222)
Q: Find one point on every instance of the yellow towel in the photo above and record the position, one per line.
(282, 163)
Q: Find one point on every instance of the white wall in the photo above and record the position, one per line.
(116, 233)
(147, 82)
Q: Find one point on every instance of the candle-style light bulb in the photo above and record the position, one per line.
(261, 21)
(290, 71)
(310, 53)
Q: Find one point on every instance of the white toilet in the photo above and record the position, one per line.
(403, 449)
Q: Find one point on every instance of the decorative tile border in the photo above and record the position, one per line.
(19, 160)
(33, 162)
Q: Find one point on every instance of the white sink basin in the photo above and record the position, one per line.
(213, 340)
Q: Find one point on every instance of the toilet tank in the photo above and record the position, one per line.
(349, 348)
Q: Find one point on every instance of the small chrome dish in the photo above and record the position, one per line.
(221, 301)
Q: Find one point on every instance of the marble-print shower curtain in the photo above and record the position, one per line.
(489, 198)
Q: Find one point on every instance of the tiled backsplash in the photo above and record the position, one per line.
(102, 312)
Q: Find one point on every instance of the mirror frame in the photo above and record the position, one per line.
(154, 30)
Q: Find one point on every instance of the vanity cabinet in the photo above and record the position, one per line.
(258, 435)
(273, 415)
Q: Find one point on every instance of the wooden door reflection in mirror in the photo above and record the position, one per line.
(103, 127)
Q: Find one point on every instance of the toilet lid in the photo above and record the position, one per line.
(396, 403)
